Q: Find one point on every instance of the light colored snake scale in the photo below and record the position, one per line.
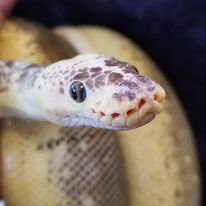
(79, 166)
(153, 165)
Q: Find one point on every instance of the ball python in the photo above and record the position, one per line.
(152, 165)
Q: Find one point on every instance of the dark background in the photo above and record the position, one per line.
(173, 32)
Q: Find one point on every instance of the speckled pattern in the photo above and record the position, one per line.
(15, 72)
(108, 71)
(87, 153)
(44, 94)
(81, 166)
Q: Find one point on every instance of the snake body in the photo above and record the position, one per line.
(135, 167)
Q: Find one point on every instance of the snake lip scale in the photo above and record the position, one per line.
(149, 106)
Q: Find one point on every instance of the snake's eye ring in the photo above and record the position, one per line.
(77, 91)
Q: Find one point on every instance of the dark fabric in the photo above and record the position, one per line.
(173, 32)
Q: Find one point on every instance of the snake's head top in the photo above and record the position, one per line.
(98, 90)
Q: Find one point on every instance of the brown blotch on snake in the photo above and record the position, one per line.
(129, 84)
(81, 76)
(61, 90)
(89, 83)
(121, 96)
(9, 64)
(115, 78)
(114, 62)
(96, 74)
(100, 81)
(95, 69)
(130, 70)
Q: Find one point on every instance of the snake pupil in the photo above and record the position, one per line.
(78, 91)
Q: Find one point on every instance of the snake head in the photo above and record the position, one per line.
(98, 90)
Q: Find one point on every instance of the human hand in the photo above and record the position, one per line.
(5, 8)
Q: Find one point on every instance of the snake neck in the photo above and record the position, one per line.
(17, 98)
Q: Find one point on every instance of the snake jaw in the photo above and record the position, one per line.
(143, 111)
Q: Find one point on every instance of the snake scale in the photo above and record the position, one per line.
(46, 164)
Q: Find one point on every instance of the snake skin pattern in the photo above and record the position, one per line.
(54, 175)
(159, 162)
(83, 164)
(116, 95)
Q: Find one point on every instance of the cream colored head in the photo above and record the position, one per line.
(97, 90)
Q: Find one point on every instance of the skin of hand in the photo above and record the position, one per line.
(5, 8)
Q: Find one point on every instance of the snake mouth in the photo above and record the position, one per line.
(144, 110)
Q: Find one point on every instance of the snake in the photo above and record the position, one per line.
(47, 160)
(87, 90)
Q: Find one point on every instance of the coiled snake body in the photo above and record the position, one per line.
(80, 166)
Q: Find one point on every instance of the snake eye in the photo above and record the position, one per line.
(77, 91)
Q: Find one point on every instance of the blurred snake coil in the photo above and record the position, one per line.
(43, 164)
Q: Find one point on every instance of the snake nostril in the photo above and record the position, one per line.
(115, 115)
(157, 97)
(141, 103)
